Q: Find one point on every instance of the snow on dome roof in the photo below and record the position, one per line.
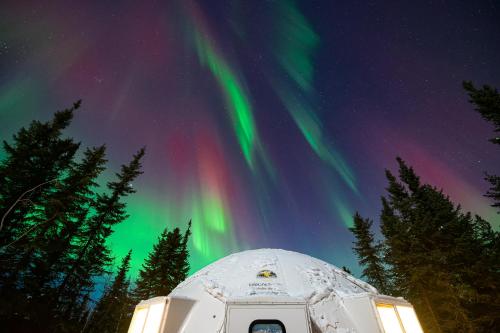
(271, 273)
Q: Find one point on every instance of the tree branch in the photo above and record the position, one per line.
(27, 231)
(21, 199)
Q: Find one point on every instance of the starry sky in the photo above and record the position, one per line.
(268, 123)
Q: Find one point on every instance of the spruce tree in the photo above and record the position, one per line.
(93, 254)
(368, 254)
(166, 265)
(146, 282)
(487, 102)
(37, 157)
(57, 242)
(54, 226)
(114, 303)
(436, 252)
(443, 260)
(181, 262)
(414, 251)
(35, 162)
(74, 199)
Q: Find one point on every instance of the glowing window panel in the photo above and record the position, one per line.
(138, 320)
(154, 318)
(389, 318)
(409, 319)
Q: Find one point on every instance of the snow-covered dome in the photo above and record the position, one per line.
(272, 272)
(270, 290)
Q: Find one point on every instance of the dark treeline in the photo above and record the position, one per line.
(55, 223)
(443, 260)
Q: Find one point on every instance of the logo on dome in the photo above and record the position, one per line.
(266, 274)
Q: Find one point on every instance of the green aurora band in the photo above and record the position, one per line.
(343, 212)
(243, 120)
(211, 228)
(296, 43)
(310, 126)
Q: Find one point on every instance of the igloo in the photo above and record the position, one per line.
(273, 291)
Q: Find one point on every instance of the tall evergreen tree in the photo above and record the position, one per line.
(54, 225)
(109, 311)
(429, 245)
(369, 254)
(487, 102)
(166, 265)
(77, 198)
(34, 163)
(56, 243)
(443, 260)
(181, 255)
(146, 282)
(37, 157)
(93, 254)
(31, 172)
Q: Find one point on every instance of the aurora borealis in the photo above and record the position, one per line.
(268, 123)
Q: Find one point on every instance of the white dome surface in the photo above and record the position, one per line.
(272, 273)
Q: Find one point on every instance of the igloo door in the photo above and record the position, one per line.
(267, 318)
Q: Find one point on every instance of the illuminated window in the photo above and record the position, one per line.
(155, 316)
(147, 319)
(138, 320)
(409, 319)
(389, 318)
(398, 319)
(267, 326)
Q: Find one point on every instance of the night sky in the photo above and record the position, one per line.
(268, 123)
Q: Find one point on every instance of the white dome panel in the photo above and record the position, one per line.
(272, 272)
